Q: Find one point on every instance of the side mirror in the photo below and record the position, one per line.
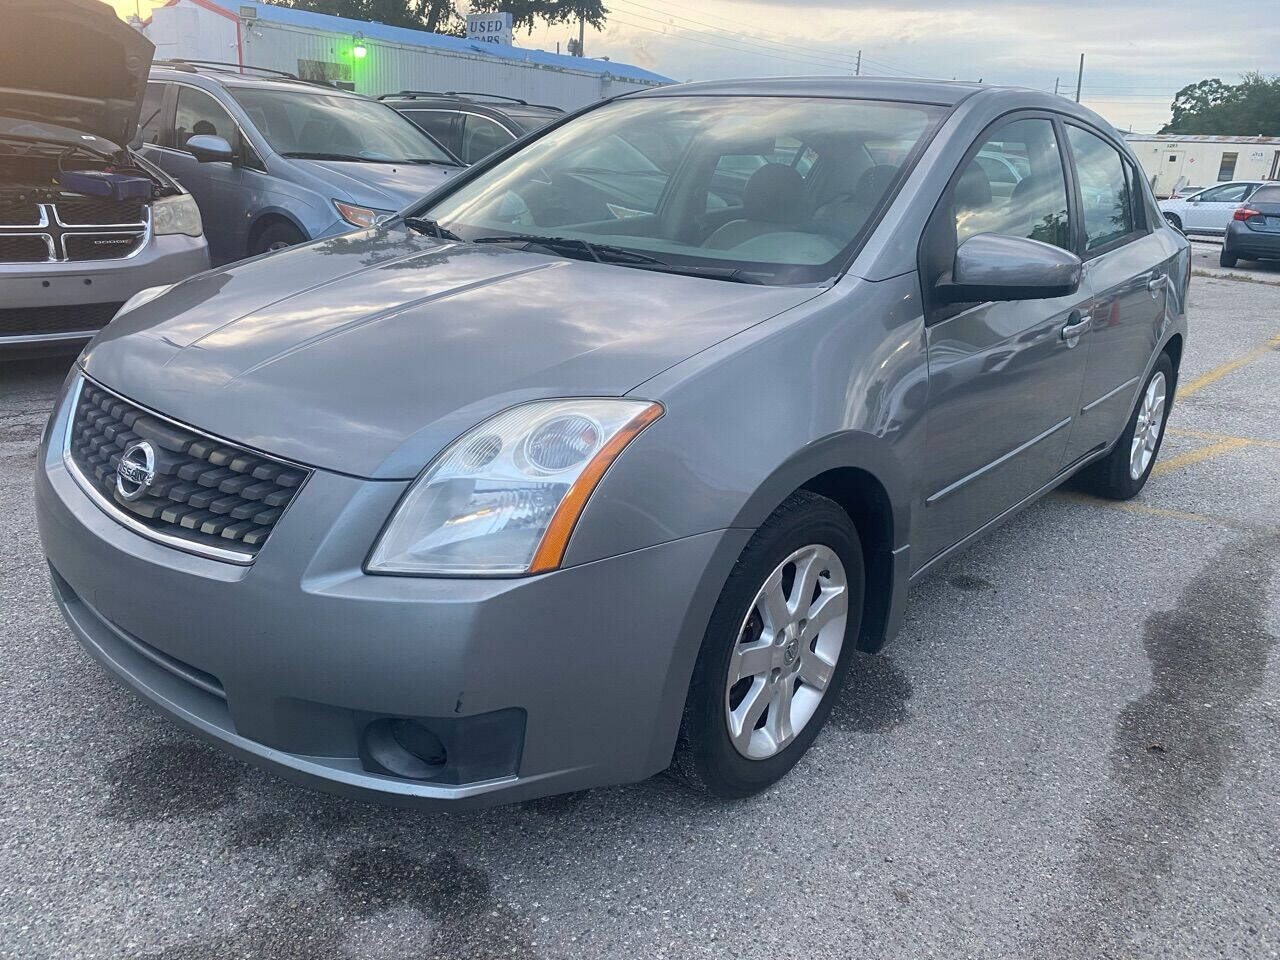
(209, 149)
(993, 267)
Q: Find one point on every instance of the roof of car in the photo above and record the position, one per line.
(229, 76)
(488, 101)
(942, 92)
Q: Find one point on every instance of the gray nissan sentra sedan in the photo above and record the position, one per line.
(586, 467)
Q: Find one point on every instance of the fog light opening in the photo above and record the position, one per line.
(404, 748)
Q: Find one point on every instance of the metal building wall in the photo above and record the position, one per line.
(193, 32)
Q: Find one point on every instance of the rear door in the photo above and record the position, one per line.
(1126, 273)
(1004, 381)
(1210, 212)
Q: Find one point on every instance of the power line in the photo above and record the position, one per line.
(846, 61)
(685, 35)
(724, 41)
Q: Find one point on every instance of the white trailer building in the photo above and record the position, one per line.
(374, 58)
(1203, 161)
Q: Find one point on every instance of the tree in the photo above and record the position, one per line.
(1250, 108)
(438, 16)
(525, 13)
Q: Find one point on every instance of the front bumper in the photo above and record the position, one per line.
(287, 661)
(164, 259)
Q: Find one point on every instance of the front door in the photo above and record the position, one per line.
(1003, 380)
(218, 187)
(1125, 274)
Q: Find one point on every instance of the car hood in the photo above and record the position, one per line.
(366, 354)
(72, 64)
(385, 186)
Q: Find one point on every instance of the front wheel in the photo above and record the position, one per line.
(1174, 221)
(277, 236)
(776, 650)
(1124, 471)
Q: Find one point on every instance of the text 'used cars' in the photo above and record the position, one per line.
(611, 452)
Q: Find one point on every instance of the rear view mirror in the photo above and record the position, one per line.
(209, 149)
(992, 267)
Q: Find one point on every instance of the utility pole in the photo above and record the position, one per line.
(857, 68)
(1080, 78)
(582, 33)
(1055, 85)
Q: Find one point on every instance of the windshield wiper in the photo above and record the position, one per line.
(600, 252)
(608, 253)
(433, 162)
(431, 228)
(304, 155)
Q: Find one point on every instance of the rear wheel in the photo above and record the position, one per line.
(776, 650)
(1226, 258)
(277, 236)
(1124, 471)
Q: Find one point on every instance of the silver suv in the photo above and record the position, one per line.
(85, 223)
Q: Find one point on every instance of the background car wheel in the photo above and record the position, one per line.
(776, 650)
(276, 237)
(1174, 221)
(1124, 471)
(1226, 258)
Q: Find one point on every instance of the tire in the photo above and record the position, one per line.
(276, 237)
(1174, 221)
(706, 756)
(1226, 258)
(1124, 471)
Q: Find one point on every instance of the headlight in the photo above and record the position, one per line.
(141, 297)
(176, 215)
(503, 498)
(363, 217)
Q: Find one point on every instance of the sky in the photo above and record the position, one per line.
(1137, 53)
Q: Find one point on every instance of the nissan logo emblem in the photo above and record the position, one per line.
(137, 470)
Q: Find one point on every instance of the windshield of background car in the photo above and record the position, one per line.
(768, 189)
(320, 126)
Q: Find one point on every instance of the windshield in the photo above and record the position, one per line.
(763, 189)
(332, 127)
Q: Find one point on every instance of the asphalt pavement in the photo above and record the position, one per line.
(1070, 751)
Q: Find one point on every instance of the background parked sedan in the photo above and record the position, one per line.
(1209, 211)
(1253, 232)
(273, 161)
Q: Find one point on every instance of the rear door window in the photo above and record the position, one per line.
(1106, 194)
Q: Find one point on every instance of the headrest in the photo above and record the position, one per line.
(775, 194)
(874, 182)
(974, 188)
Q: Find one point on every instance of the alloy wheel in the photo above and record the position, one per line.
(787, 649)
(1146, 432)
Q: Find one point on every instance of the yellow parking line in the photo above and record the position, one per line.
(1130, 506)
(1206, 435)
(1197, 455)
(1217, 373)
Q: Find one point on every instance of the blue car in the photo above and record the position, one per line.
(273, 161)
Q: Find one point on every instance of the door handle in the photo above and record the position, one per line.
(1155, 283)
(1081, 325)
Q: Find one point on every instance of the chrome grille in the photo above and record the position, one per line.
(72, 231)
(208, 496)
